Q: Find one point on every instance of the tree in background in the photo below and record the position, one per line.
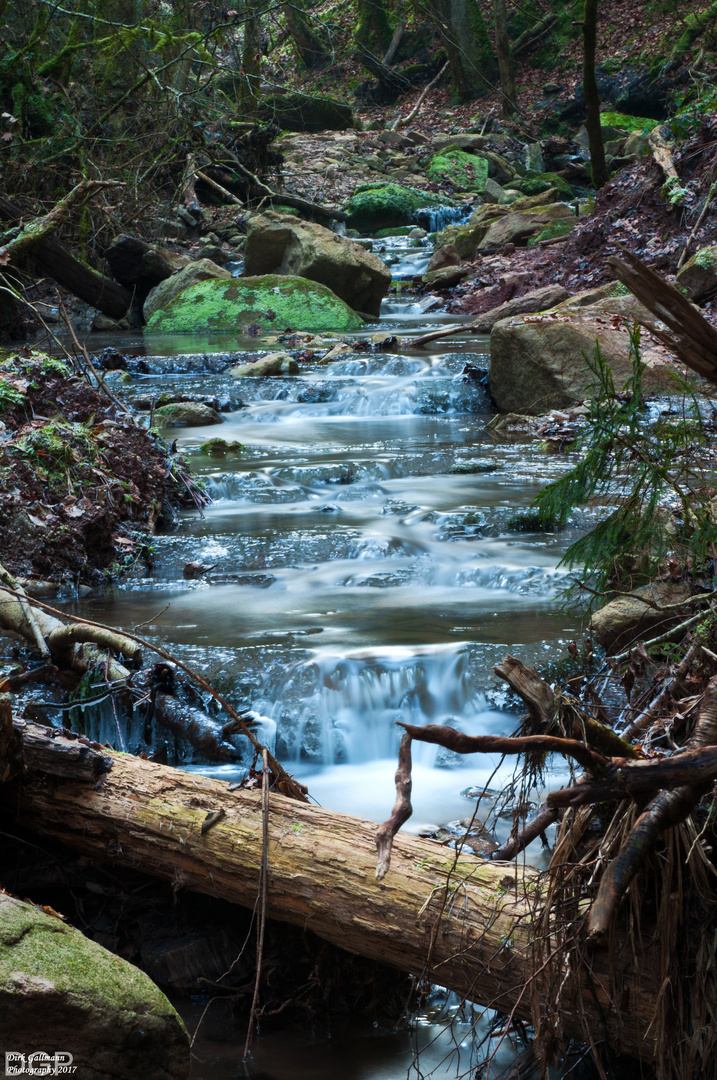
(464, 36)
(373, 28)
(592, 96)
(310, 48)
(505, 60)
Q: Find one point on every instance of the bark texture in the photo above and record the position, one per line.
(468, 926)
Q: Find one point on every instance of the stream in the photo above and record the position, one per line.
(369, 566)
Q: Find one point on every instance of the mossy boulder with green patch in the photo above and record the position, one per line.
(269, 302)
(386, 206)
(625, 122)
(553, 231)
(466, 238)
(699, 274)
(521, 225)
(59, 991)
(535, 185)
(464, 172)
(220, 448)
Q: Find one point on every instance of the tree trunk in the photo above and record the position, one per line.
(309, 46)
(251, 61)
(55, 260)
(373, 28)
(592, 96)
(470, 927)
(465, 38)
(505, 59)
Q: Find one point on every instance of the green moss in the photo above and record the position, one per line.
(626, 122)
(269, 302)
(465, 172)
(529, 521)
(220, 448)
(401, 230)
(535, 185)
(706, 258)
(556, 228)
(10, 395)
(386, 206)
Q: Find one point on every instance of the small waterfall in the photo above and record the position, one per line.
(435, 218)
(332, 710)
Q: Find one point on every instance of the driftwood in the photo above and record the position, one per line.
(691, 337)
(462, 922)
(54, 259)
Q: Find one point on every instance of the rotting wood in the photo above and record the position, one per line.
(55, 753)
(476, 917)
(58, 262)
(692, 338)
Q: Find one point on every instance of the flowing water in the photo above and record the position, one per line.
(369, 566)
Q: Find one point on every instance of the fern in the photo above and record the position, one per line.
(656, 475)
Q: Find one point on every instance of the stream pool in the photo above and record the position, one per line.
(367, 567)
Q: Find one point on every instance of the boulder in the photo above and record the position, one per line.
(386, 206)
(472, 144)
(446, 255)
(537, 300)
(271, 302)
(699, 274)
(539, 362)
(62, 994)
(623, 620)
(464, 172)
(163, 294)
(521, 225)
(278, 363)
(187, 414)
(466, 238)
(446, 277)
(535, 185)
(494, 193)
(277, 244)
(302, 112)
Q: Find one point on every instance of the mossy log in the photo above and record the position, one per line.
(467, 924)
(54, 259)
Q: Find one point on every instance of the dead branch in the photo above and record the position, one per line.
(692, 338)
(401, 812)
(653, 709)
(543, 819)
(497, 744)
(528, 685)
(666, 809)
(434, 82)
(695, 227)
(218, 187)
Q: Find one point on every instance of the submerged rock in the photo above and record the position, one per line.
(277, 244)
(187, 414)
(278, 363)
(62, 993)
(254, 304)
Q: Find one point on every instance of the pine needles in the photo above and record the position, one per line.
(657, 473)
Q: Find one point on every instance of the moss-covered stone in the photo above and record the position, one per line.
(535, 185)
(698, 277)
(401, 230)
(187, 414)
(465, 172)
(385, 206)
(272, 301)
(627, 123)
(220, 448)
(59, 991)
(555, 229)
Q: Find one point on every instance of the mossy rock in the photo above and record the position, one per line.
(303, 112)
(187, 414)
(401, 230)
(628, 123)
(61, 992)
(550, 232)
(270, 302)
(386, 206)
(220, 448)
(465, 172)
(698, 277)
(535, 185)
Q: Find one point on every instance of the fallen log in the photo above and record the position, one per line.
(462, 922)
(58, 262)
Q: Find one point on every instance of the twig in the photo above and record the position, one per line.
(648, 715)
(663, 637)
(407, 119)
(218, 187)
(401, 812)
(262, 897)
